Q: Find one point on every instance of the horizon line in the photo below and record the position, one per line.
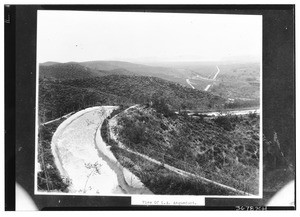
(155, 61)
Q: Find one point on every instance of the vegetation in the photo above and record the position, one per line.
(62, 71)
(57, 98)
(224, 149)
(225, 122)
(156, 178)
(196, 145)
(240, 82)
(237, 104)
(162, 181)
(81, 70)
(235, 81)
(49, 178)
(143, 89)
(160, 106)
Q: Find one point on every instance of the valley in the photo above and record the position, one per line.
(168, 125)
(236, 81)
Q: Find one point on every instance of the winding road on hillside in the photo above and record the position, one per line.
(214, 78)
(229, 112)
(189, 82)
(198, 77)
(82, 156)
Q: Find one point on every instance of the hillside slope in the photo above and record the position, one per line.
(57, 99)
(60, 97)
(138, 69)
(228, 155)
(143, 89)
(235, 81)
(78, 70)
(62, 71)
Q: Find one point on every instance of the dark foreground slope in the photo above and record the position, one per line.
(225, 149)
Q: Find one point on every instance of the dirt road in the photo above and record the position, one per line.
(188, 81)
(198, 77)
(214, 78)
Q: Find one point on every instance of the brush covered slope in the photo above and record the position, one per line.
(62, 71)
(59, 97)
(48, 176)
(225, 149)
(77, 70)
(169, 73)
(239, 82)
(141, 89)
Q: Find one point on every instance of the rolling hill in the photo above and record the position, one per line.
(58, 97)
(141, 89)
(223, 150)
(238, 81)
(138, 69)
(62, 71)
(74, 70)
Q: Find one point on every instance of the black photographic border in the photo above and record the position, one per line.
(20, 74)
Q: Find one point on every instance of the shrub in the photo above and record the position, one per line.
(253, 115)
(133, 131)
(160, 105)
(224, 122)
(49, 178)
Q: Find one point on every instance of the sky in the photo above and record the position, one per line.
(64, 36)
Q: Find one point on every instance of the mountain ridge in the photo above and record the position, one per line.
(62, 71)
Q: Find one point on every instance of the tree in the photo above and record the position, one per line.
(160, 106)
